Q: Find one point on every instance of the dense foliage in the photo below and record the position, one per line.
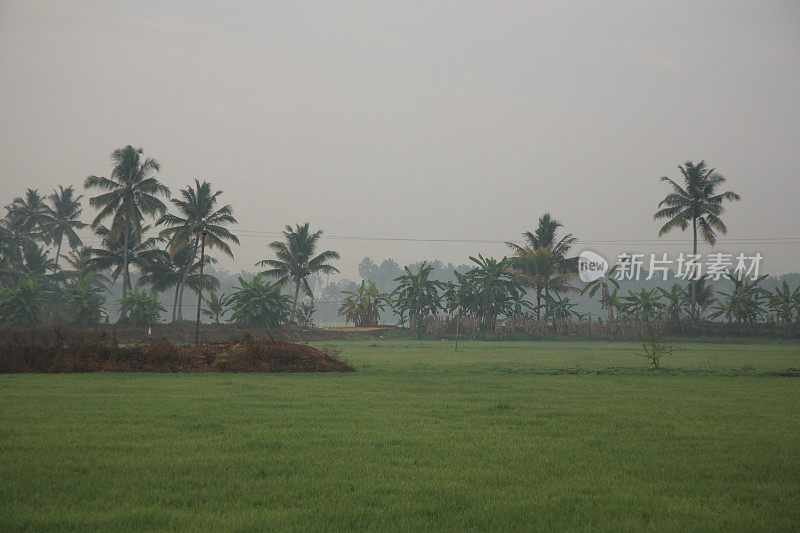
(151, 253)
(259, 303)
(142, 309)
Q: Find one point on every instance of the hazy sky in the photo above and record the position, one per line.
(433, 120)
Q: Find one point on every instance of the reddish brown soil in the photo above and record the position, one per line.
(76, 351)
(359, 329)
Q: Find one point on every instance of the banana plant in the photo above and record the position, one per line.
(216, 306)
(604, 286)
(745, 303)
(785, 302)
(259, 303)
(644, 305)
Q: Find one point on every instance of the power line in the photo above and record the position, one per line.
(744, 240)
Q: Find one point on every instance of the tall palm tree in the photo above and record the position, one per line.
(80, 261)
(63, 219)
(10, 252)
(28, 215)
(296, 260)
(541, 262)
(132, 193)
(544, 236)
(164, 271)
(38, 264)
(696, 202)
(539, 269)
(112, 256)
(197, 215)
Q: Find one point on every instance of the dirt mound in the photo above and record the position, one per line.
(63, 351)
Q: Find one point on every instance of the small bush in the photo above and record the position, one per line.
(654, 348)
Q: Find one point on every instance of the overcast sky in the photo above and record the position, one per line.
(432, 120)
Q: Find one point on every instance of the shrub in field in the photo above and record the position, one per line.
(654, 348)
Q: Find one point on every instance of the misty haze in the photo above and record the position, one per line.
(407, 266)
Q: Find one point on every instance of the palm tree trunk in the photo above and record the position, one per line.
(184, 277)
(200, 290)
(175, 301)
(538, 302)
(692, 285)
(58, 253)
(296, 293)
(125, 273)
(180, 302)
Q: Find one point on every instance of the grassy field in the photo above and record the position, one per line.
(419, 437)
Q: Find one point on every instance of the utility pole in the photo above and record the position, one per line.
(200, 288)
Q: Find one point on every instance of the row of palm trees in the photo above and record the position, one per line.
(167, 248)
(136, 230)
(494, 288)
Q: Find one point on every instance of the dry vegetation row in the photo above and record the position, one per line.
(62, 351)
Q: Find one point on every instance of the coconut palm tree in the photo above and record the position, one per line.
(296, 260)
(131, 194)
(697, 202)
(544, 236)
(197, 216)
(27, 216)
(10, 253)
(112, 256)
(38, 265)
(541, 262)
(80, 261)
(64, 218)
(539, 269)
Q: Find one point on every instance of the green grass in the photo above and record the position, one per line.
(419, 438)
